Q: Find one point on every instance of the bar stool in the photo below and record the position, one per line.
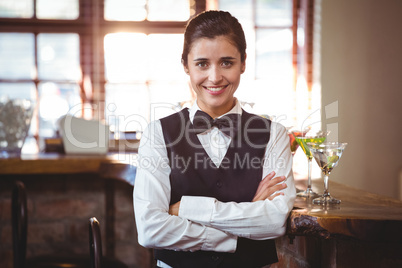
(95, 248)
(19, 229)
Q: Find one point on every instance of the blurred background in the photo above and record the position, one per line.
(322, 63)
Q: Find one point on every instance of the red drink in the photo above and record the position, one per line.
(293, 143)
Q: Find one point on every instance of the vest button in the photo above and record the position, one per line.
(215, 258)
(219, 184)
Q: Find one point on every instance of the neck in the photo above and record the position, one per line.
(215, 112)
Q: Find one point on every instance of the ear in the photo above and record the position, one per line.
(185, 67)
(243, 64)
(186, 70)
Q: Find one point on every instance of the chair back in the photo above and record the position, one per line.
(95, 243)
(19, 219)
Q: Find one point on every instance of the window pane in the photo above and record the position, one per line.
(168, 10)
(18, 91)
(125, 57)
(17, 56)
(241, 9)
(125, 10)
(274, 73)
(127, 107)
(168, 97)
(51, 9)
(133, 57)
(274, 13)
(56, 100)
(58, 57)
(274, 54)
(164, 61)
(16, 8)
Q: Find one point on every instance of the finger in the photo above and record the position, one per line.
(274, 181)
(275, 195)
(264, 188)
(265, 180)
(269, 176)
(275, 189)
(267, 192)
(279, 179)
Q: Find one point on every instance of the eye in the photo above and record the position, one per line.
(227, 63)
(202, 64)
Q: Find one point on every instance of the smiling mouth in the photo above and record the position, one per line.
(215, 89)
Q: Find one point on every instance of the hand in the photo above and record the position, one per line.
(268, 186)
(174, 209)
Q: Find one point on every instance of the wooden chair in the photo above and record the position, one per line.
(19, 229)
(95, 248)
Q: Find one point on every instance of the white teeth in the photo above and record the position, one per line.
(215, 89)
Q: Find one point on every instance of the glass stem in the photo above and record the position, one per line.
(310, 162)
(326, 193)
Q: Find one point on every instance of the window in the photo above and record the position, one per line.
(119, 60)
(98, 59)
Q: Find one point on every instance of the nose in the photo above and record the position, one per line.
(215, 75)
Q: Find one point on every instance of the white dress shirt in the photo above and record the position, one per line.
(205, 223)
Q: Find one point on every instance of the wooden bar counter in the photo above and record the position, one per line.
(55, 163)
(360, 215)
(364, 230)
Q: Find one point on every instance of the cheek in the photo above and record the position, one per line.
(196, 77)
(234, 77)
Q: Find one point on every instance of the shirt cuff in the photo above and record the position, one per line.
(197, 208)
(219, 241)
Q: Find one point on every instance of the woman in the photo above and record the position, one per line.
(214, 183)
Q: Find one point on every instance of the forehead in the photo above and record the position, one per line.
(220, 46)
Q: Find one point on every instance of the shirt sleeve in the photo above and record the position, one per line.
(254, 220)
(156, 227)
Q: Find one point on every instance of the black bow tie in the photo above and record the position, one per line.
(227, 124)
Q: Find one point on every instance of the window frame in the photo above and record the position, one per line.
(91, 28)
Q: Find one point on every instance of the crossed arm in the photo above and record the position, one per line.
(204, 223)
(269, 188)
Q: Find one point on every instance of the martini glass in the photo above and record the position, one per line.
(317, 137)
(327, 156)
(292, 139)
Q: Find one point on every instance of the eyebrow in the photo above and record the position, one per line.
(200, 59)
(223, 58)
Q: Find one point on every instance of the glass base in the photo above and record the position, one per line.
(308, 193)
(326, 200)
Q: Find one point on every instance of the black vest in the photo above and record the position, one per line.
(236, 179)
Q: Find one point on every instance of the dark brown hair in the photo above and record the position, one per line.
(210, 24)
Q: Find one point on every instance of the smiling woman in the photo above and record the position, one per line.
(193, 201)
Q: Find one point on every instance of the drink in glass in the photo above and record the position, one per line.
(327, 156)
(311, 136)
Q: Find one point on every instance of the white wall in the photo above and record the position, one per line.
(361, 68)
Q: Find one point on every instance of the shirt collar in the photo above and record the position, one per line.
(235, 110)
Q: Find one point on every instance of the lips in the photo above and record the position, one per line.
(215, 90)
